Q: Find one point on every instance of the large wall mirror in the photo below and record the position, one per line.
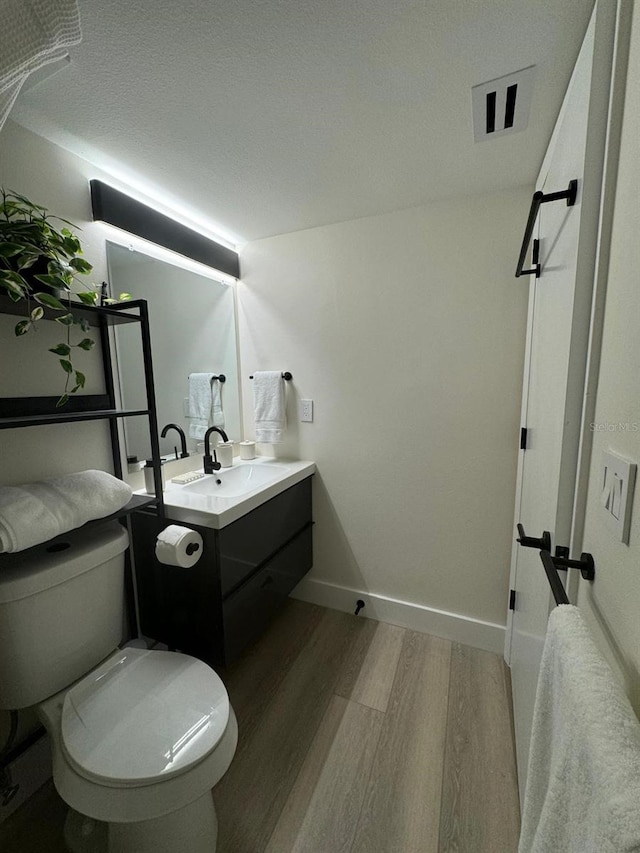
(193, 330)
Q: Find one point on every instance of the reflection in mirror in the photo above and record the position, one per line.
(193, 330)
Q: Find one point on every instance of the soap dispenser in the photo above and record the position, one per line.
(149, 484)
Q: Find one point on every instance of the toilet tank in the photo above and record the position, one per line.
(61, 611)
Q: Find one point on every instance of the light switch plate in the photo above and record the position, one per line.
(618, 481)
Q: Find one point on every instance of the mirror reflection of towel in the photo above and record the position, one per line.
(205, 404)
(217, 415)
(269, 402)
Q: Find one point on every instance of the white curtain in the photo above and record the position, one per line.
(32, 34)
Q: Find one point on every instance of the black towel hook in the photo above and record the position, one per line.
(220, 378)
(543, 543)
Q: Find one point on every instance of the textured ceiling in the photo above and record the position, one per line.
(269, 116)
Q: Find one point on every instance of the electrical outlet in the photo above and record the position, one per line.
(618, 480)
(306, 411)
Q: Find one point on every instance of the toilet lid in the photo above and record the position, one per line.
(142, 717)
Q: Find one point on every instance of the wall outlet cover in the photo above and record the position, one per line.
(618, 482)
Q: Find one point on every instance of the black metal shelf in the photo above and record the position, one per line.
(19, 412)
(68, 417)
(95, 315)
(136, 503)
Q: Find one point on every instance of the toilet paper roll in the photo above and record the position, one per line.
(178, 546)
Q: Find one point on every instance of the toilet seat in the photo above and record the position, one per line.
(143, 717)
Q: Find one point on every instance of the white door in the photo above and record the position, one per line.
(557, 339)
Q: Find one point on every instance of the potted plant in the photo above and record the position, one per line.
(40, 259)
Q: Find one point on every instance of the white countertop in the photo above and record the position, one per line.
(211, 510)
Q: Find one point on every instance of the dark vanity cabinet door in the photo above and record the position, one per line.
(247, 611)
(179, 607)
(247, 570)
(252, 540)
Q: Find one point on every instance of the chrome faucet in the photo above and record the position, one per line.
(183, 440)
(211, 465)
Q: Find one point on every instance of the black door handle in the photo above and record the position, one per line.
(543, 543)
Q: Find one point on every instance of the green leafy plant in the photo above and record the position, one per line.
(40, 260)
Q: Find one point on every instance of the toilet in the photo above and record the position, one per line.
(139, 737)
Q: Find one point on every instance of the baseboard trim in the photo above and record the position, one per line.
(452, 626)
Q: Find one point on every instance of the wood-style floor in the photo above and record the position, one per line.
(355, 737)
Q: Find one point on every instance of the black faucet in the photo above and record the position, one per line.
(183, 440)
(211, 465)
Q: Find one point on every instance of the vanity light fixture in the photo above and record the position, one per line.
(118, 237)
(115, 208)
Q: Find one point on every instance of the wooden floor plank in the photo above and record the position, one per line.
(370, 677)
(255, 678)
(402, 808)
(323, 808)
(480, 810)
(441, 778)
(269, 758)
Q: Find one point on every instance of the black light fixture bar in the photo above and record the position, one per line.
(116, 208)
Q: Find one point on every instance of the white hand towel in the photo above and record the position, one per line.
(200, 403)
(33, 33)
(583, 780)
(36, 512)
(269, 402)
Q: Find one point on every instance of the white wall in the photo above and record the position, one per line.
(407, 330)
(58, 180)
(612, 603)
(50, 176)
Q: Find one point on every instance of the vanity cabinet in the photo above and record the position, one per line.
(214, 609)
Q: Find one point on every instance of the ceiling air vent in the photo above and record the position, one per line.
(502, 106)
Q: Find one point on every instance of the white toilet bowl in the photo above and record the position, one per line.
(138, 744)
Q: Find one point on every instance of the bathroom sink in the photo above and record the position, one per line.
(241, 488)
(236, 481)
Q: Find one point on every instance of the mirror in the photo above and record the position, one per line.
(193, 330)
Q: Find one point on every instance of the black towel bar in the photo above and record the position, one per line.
(552, 564)
(220, 378)
(286, 376)
(541, 198)
(558, 590)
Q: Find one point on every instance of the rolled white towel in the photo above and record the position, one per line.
(37, 512)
